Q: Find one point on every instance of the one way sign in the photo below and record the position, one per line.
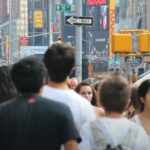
(74, 20)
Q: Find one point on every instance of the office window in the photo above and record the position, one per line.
(37, 5)
(30, 4)
(45, 4)
(45, 21)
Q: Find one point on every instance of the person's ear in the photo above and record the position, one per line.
(129, 103)
(43, 82)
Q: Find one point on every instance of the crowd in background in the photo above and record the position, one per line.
(42, 108)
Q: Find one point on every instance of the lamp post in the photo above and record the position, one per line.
(78, 62)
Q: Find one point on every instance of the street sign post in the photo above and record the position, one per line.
(75, 20)
(64, 7)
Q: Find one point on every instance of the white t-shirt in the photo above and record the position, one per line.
(136, 119)
(80, 107)
(115, 132)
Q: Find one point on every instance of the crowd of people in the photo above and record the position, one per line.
(41, 108)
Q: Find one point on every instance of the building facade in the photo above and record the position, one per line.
(8, 23)
(38, 24)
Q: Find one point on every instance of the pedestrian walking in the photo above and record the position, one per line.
(113, 131)
(31, 122)
(143, 118)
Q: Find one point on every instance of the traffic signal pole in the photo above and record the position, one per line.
(78, 62)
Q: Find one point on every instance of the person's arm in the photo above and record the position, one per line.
(71, 145)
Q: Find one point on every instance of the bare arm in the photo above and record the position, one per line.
(71, 145)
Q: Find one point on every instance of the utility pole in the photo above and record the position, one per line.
(147, 14)
(10, 33)
(78, 63)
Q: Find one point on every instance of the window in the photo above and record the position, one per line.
(45, 4)
(45, 19)
(37, 5)
(30, 4)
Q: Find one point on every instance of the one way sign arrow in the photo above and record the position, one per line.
(74, 20)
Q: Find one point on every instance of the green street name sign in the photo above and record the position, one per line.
(63, 7)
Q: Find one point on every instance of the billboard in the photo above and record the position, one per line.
(6, 46)
(111, 24)
(38, 19)
(32, 50)
(95, 2)
(96, 37)
(23, 41)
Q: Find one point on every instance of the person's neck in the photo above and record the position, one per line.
(32, 94)
(113, 115)
(62, 85)
(145, 114)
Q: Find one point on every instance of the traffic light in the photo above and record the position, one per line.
(144, 42)
(59, 39)
(121, 43)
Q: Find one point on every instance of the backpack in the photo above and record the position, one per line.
(101, 141)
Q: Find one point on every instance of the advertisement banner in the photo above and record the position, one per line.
(24, 41)
(111, 24)
(32, 50)
(95, 2)
(6, 46)
(38, 19)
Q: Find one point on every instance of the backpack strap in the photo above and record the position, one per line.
(118, 147)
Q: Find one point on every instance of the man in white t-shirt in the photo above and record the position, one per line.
(113, 131)
(59, 60)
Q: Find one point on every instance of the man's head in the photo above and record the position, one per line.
(28, 75)
(115, 94)
(73, 83)
(59, 60)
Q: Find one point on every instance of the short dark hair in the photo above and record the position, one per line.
(59, 60)
(115, 93)
(142, 91)
(7, 88)
(78, 88)
(28, 75)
